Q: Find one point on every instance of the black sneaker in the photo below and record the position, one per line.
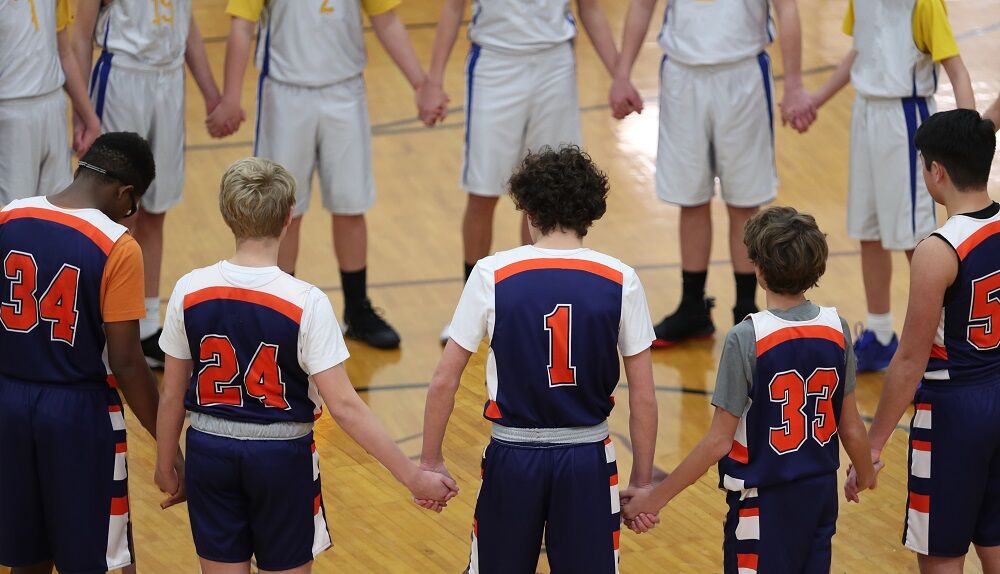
(687, 322)
(740, 312)
(366, 324)
(151, 349)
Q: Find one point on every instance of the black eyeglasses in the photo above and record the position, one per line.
(113, 175)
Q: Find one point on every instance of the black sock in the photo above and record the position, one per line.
(746, 289)
(468, 271)
(355, 285)
(693, 283)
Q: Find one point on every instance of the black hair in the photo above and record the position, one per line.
(560, 189)
(125, 156)
(961, 141)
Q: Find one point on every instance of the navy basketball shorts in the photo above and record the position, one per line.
(63, 477)
(255, 498)
(954, 474)
(782, 528)
(567, 494)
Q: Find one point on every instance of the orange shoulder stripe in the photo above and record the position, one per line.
(973, 241)
(85, 227)
(806, 332)
(278, 304)
(557, 263)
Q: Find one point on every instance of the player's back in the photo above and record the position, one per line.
(788, 430)
(967, 346)
(244, 327)
(52, 289)
(555, 328)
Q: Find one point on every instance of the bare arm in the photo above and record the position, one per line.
(444, 39)
(82, 37)
(201, 71)
(441, 402)
(836, 82)
(392, 35)
(933, 268)
(854, 436)
(596, 24)
(130, 369)
(228, 114)
(76, 88)
(624, 98)
(354, 416)
(993, 114)
(796, 105)
(169, 423)
(643, 416)
(960, 82)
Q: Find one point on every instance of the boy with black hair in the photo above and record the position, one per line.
(558, 315)
(785, 391)
(71, 290)
(948, 357)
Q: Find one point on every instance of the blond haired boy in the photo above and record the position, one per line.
(249, 352)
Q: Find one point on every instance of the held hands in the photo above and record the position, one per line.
(856, 483)
(85, 131)
(798, 108)
(432, 103)
(432, 486)
(171, 482)
(624, 98)
(639, 513)
(224, 117)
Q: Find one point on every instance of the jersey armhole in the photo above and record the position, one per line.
(952, 291)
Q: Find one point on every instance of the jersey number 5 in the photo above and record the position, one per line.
(791, 391)
(217, 380)
(57, 305)
(559, 324)
(984, 315)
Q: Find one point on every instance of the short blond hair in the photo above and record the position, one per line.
(255, 198)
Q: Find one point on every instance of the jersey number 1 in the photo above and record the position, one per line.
(559, 324)
(56, 306)
(790, 390)
(984, 315)
(217, 380)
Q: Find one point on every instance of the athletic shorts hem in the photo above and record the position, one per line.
(470, 191)
(279, 567)
(752, 204)
(338, 211)
(686, 201)
(227, 560)
(162, 207)
(120, 565)
(937, 554)
(987, 544)
(886, 246)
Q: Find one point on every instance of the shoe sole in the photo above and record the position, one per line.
(666, 344)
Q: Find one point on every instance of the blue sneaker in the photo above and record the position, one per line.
(873, 356)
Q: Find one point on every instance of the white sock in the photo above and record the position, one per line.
(881, 325)
(151, 323)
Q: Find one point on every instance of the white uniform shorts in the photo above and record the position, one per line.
(888, 199)
(149, 102)
(716, 122)
(515, 103)
(322, 129)
(35, 151)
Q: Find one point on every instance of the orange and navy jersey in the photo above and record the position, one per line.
(967, 346)
(557, 321)
(66, 272)
(789, 427)
(254, 340)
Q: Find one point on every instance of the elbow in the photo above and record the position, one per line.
(719, 446)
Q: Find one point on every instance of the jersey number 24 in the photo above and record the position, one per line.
(218, 380)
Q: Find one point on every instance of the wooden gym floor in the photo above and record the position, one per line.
(414, 270)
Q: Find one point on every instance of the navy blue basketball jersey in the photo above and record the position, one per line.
(557, 320)
(967, 346)
(789, 428)
(56, 265)
(245, 345)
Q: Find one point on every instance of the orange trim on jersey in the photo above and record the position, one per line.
(273, 302)
(939, 352)
(475, 528)
(613, 481)
(607, 441)
(316, 504)
(119, 506)
(739, 453)
(920, 502)
(555, 263)
(617, 534)
(112, 381)
(746, 561)
(318, 414)
(312, 447)
(114, 408)
(85, 227)
(923, 445)
(923, 406)
(493, 410)
(749, 512)
(121, 447)
(973, 241)
(805, 332)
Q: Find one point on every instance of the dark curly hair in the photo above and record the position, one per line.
(560, 189)
(127, 158)
(787, 248)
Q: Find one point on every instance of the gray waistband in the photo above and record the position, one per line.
(572, 435)
(242, 430)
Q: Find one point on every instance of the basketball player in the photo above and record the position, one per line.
(72, 290)
(36, 60)
(312, 115)
(267, 347)
(557, 315)
(894, 69)
(716, 122)
(138, 85)
(784, 397)
(948, 356)
(521, 94)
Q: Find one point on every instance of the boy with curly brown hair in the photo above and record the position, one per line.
(557, 315)
(785, 391)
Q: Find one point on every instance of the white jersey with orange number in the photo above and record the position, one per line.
(519, 26)
(309, 43)
(29, 55)
(150, 33)
(708, 32)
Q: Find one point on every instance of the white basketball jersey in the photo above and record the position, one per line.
(521, 25)
(29, 55)
(888, 64)
(707, 32)
(148, 32)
